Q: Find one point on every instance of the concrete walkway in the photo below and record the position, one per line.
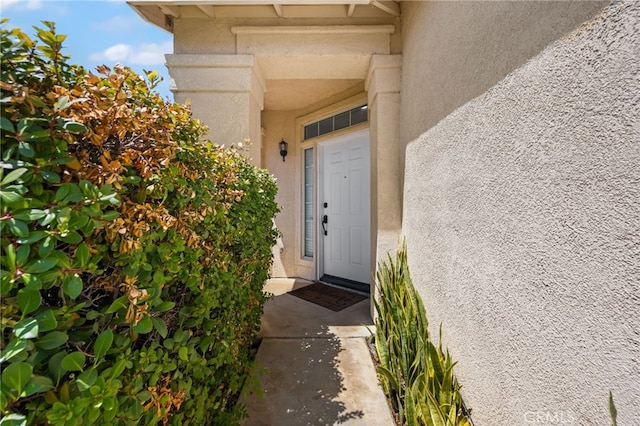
(318, 369)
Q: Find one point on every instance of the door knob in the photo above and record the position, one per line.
(325, 221)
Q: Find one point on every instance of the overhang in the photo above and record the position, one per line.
(162, 12)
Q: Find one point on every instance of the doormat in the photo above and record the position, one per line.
(328, 297)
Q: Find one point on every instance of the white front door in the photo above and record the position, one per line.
(345, 207)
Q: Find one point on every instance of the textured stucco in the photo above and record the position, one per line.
(215, 36)
(454, 51)
(383, 86)
(522, 216)
(226, 92)
(280, 125)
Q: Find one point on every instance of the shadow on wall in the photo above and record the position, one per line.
(278, 265)
(300, 396)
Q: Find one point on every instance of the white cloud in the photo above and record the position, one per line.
(119, 24)
(117, 52)
(21, 4)
(141, 54)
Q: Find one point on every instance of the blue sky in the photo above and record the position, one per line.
(98, 32)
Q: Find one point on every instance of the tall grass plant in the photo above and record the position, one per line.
(416, 374)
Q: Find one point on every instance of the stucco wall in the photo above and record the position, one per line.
(454, 51)
(522, 216)
(197, 35)
(280, 125)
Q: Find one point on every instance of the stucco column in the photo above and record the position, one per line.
(383, 85)
(226, 93)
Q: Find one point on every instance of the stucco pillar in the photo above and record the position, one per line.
(226, 93)
(383, 85)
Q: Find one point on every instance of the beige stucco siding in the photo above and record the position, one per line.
(522, 214)
(197, 35)
(280, 125)
(454, 51)
(207, 36)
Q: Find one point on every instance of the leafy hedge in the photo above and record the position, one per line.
(133, 255)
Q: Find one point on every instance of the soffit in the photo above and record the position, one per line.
(298, 94)
(294, 79)
(162, 12)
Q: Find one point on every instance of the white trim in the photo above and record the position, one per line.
(327, 110)
(314, 206)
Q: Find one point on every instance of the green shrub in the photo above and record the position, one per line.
(416, 375)
(133, 255)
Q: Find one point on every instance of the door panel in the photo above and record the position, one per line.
(345, 179)
(355, 255)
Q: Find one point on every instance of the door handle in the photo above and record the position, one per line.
(325, 220)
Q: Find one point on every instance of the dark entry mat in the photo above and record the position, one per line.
(328, 297)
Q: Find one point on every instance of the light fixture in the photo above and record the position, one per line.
(283, 149)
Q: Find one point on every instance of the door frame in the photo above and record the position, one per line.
(319, 177)
(310, 267)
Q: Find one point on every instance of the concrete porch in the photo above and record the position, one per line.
(316, 366)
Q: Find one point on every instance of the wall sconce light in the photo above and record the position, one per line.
(283, 149)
